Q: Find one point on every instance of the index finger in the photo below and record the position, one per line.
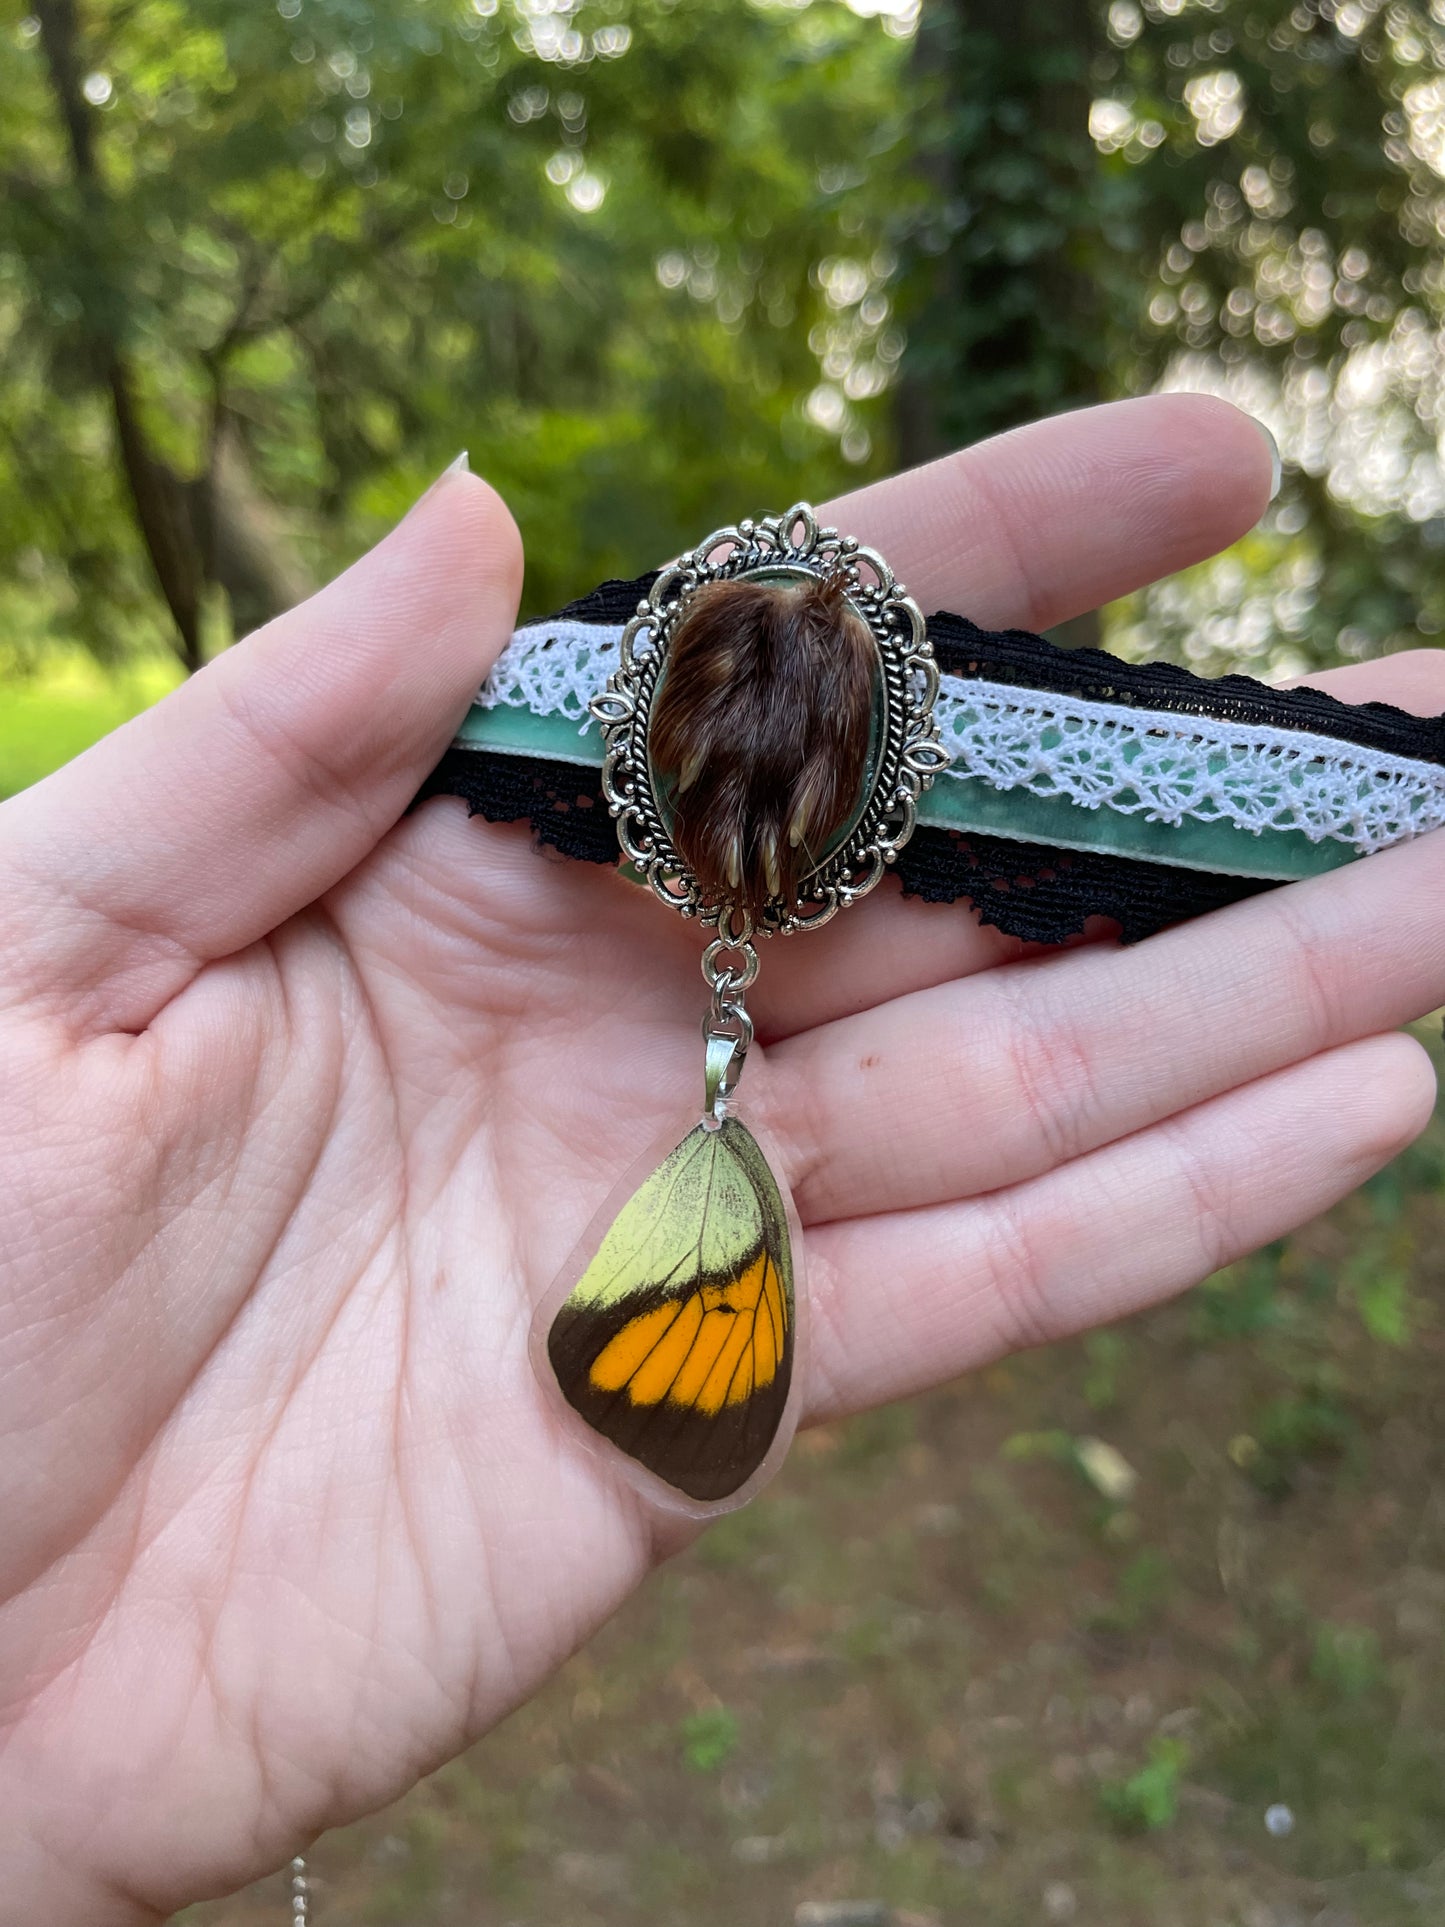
(1026, 530)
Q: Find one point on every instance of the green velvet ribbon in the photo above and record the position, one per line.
(970, 803)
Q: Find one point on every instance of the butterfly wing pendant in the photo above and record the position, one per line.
(769, 729)
(677, 1342)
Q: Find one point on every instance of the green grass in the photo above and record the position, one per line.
(1148, 1800)
(47, 718)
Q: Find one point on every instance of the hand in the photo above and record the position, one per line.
(304, 1106)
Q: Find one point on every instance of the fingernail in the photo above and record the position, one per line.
(1276, 466)
(460, 466)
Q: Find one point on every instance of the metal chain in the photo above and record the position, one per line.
(300, 1894)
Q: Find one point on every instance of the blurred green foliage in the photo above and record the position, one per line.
(263, 268)
(1238, 195)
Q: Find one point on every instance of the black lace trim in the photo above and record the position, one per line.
(563, 802)
(1027, 890)
(1047, 895)
(1016, 656)
(1024, 889)
(611, 601)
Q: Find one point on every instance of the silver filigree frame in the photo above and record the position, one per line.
(909, 753)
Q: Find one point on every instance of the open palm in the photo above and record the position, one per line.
(304, 1106)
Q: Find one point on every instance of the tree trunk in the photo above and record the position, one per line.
(162, 512)
(195, 533)
(932, 281)
(247, 551)
(1003, 315)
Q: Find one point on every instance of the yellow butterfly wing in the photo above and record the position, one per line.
(677, 1342)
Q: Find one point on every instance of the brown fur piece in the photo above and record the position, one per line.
(762, 725)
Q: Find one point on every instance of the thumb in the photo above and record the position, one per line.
(199, 826)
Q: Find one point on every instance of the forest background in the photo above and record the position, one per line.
(266, 265)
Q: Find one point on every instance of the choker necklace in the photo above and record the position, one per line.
(763, 729)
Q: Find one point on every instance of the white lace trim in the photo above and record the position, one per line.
(1158, 764)
(554, 669)
(1170, 767)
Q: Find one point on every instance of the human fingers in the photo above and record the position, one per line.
(1411, 679)
(960, 1088)
(204, 823)
(1026, 530)
(903, 1301)
(893, 945)
(1049, 521)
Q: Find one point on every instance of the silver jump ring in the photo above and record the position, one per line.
(743, 979)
